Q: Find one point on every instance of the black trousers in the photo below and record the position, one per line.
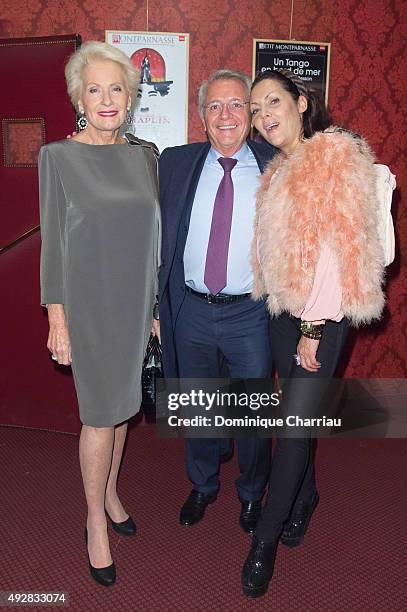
(292, 478)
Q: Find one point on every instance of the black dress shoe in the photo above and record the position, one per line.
(258, 568)
(297, 525)
(194, 508)
(249, 515)
(125, 528)
(105, 576)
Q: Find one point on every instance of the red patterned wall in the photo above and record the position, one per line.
(367, 89)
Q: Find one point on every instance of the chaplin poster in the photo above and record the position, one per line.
(161, 108)
(308, 60)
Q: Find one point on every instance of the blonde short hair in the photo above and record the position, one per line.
(94, 51)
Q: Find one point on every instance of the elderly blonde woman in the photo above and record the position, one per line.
(99, 259)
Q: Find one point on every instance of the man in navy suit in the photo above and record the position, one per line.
(206, 314)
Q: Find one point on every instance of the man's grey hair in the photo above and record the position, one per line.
(221, 75)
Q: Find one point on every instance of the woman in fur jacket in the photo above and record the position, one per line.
(317, 257)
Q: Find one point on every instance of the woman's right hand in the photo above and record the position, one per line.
(58, 338)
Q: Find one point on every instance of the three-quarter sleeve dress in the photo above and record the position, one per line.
(100, 232)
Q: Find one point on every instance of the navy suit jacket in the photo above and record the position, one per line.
(180, 170)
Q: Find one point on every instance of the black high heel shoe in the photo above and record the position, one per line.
(125, 528)
(103, 575)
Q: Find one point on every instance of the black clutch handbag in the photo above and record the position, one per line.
(152, 369)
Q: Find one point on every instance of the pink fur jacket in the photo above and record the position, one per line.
(324, 192)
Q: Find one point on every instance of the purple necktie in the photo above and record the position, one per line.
(218, 245)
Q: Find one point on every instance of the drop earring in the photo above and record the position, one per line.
(129, 117)
(82, 122)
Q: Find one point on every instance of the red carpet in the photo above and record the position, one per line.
(354, 556)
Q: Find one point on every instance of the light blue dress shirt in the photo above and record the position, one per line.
(245, 176)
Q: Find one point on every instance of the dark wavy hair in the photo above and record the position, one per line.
(316, 117)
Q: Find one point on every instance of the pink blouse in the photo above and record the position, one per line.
(325, 300)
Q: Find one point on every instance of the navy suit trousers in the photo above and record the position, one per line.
(208, 337)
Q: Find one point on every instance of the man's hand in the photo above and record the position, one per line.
(156, 329)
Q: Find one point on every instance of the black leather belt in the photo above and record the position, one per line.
(220, 298)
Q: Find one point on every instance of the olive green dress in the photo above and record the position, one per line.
(100, 231)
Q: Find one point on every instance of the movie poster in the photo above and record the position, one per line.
(308, 60)
(161, 110)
